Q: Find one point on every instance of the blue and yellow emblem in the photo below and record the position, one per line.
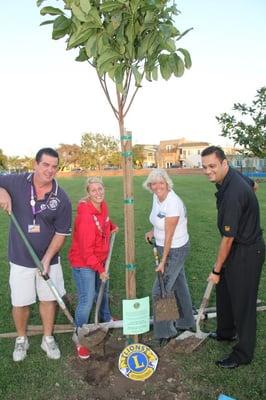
(137, 362)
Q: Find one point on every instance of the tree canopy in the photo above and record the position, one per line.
(125, 41)
(247, 126)
(3, 160)
(69, 154)
(98, 150)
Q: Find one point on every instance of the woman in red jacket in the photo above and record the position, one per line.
(88, 253)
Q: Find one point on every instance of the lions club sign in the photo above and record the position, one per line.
(137, 362)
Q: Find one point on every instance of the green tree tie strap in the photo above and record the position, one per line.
(126, 137)
(127, 154)
(131, 267)
(129, 200)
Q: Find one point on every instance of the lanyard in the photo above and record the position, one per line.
(33, 203)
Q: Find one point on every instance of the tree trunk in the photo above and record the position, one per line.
(127, 165)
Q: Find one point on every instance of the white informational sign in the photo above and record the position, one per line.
(136, 316)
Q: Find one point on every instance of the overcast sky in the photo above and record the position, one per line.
(47, 98)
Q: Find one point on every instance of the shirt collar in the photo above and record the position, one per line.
(54, 184)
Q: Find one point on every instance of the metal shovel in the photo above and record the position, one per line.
(46, 277)
(92, 335)
(165, 306)
(195, 339)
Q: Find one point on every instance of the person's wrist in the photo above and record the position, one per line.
(215, 272)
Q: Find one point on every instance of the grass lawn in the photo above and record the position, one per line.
(37, 378)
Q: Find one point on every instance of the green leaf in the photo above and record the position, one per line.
(137, 75)
(79, 37)
(165, 66)
(187, 57)
(61, 27)
(154, 73)
(79, 14)
(85, 6)
(95, 17)
(82, 55)
(170, 45)
(51, 11)
(107, 56)
(116, 20)
(119, 74)
(51, 21)
(149, 17)
(39, 2)
(91, 46)
(110, 6)
(177, 65)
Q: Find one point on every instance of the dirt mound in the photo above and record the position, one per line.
(102, 379)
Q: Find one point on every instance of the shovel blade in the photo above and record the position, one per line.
(93, 336)
(165, 309)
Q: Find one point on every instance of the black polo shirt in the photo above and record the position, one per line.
(238, 209)
(53, 215)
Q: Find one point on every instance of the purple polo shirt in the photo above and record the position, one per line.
(53, 215)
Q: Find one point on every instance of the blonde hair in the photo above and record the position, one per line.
(154, 176)
(90, 180)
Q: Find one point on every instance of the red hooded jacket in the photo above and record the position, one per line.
(91, 237)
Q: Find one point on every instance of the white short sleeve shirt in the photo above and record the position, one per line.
(172, 206)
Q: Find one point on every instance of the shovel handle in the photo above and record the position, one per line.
(159, 274)
(103, 283)
(204, 304)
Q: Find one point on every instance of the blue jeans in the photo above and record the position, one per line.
(175, 281)
(88, 284)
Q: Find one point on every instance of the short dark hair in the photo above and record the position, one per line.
(48, 151)
(218, 151)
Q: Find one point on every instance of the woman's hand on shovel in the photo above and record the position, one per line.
(160, 267)
(104, 276)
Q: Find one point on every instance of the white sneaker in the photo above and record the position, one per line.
(21, 347)
(49, 345)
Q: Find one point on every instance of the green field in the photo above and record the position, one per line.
(37, 378)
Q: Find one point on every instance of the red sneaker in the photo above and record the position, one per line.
(83, 352)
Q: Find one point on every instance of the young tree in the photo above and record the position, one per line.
(248, 128)
(125, 41)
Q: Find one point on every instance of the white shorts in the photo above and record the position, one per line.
(25, 283)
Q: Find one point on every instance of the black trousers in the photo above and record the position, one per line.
(236, 298)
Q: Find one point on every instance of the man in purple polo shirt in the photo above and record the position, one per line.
(43, 211)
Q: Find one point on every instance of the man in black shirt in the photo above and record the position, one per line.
(240, 257)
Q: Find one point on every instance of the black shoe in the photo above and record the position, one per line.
(215, 336)
(227, 363)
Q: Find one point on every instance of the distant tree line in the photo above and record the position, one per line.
(97, 151)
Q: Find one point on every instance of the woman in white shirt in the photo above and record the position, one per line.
(169, 220)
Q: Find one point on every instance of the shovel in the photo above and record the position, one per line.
(46, 277)
(165, 306)
(195, 339)
(91, 336)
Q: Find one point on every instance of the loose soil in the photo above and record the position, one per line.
(102, 380)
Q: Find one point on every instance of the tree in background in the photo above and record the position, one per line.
(248, 128)
(138, 155)
(69, 155)
(97, 149)
(3, 160)
(125, 41)
(20, 164)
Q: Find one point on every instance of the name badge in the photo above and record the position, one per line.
(34, 229)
